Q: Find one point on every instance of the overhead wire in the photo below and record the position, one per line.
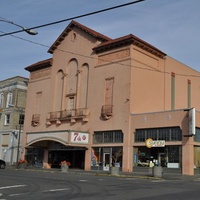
(75, 17)
(152, 69)
(84, 15)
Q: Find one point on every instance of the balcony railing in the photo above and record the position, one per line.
(68, 114)
(65, 114)
(35, 119)
(107, 111)
(82, 112)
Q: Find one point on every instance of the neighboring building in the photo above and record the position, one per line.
(97, 97)
(12, 103)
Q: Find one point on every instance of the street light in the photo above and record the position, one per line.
(27, 30)
(20, 111)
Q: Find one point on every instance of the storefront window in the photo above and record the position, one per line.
(167, 134)
(162, 156)
(98, 158)
(197, 135)
(108, 137)
(196, 157)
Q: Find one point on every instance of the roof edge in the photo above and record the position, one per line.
(40, 65)
(72, 24)
(129, 39)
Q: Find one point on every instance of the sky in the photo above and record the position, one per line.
(170, 25)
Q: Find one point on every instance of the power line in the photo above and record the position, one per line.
(84, 15)
(152, 69)
(76, 17)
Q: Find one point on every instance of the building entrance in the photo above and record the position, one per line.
(106, 161)
(75, 157)
(57, 153)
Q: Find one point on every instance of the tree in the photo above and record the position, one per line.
(117, 155)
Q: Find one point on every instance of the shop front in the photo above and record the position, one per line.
(49, 149)
(168, 156)
(107, 149)
(178, 129)
(158, 147)
(74, 155)
(103, 158)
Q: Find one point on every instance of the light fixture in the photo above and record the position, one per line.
(27, 30)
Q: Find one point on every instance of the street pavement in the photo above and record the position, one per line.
(144, 173)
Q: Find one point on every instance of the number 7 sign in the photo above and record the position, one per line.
(77, 137)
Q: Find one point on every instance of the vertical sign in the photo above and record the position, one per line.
(192, 121)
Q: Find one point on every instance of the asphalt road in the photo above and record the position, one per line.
(34, 185)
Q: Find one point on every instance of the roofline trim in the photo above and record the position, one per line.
(40, 65)
(80, 26)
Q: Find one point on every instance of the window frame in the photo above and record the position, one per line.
(9, 99)
(105, 137)
(166, 133)
(1, 99)
(7, 120)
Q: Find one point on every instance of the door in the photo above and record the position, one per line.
(162, 159)
(106, 161)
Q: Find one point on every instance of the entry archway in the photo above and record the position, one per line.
(50, 153)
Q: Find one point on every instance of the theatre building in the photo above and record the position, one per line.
(99, 101)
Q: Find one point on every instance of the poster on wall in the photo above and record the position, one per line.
(79, 138)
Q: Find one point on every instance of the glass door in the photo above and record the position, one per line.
(106, 161)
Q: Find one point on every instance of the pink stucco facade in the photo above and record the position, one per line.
(93, 86)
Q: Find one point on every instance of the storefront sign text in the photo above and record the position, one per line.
(154, 143)
(77, 137)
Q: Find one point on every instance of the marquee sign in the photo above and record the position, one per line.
(154, 143)
(79, 138)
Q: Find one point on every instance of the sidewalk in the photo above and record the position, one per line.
(138, 173)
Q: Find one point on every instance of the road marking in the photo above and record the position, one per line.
(172, 180)
(12, 186)
(83, 180)
(129, 179)
(12, 195)
(55, 190)
(158, 181)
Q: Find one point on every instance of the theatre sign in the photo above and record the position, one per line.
(79, 138)
(154, 143)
